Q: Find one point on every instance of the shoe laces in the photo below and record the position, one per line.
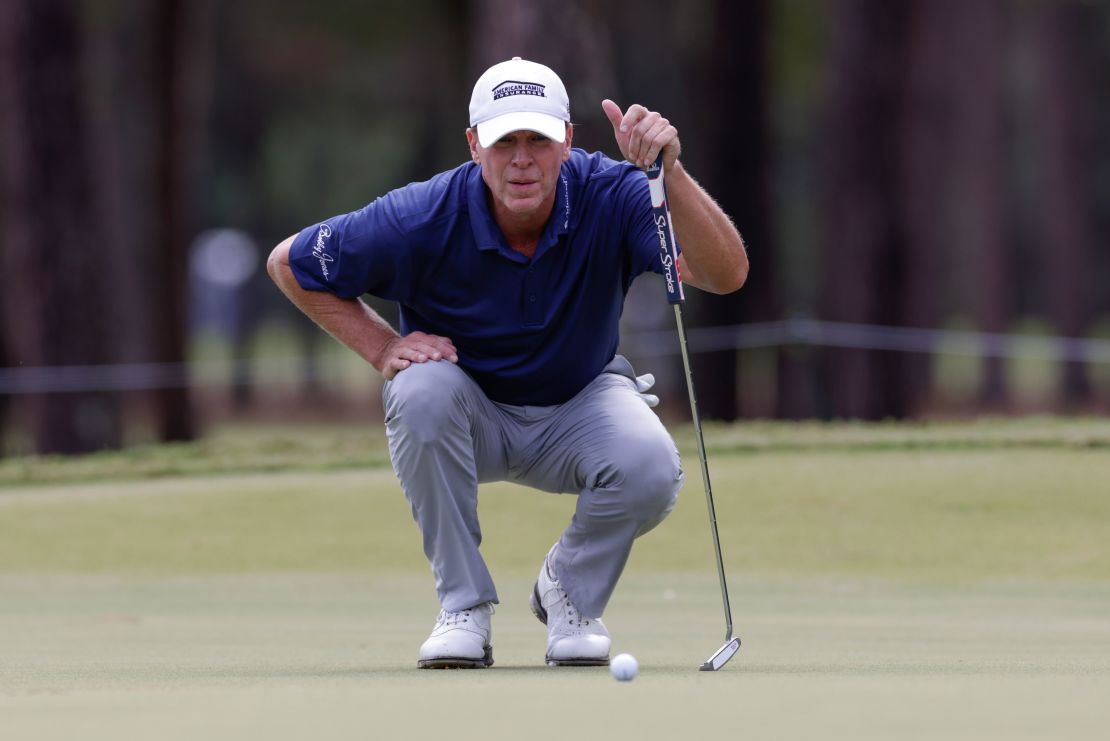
(456, 617)
(571, 613)
(574, 617)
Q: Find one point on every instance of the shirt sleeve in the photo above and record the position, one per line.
(365, 251)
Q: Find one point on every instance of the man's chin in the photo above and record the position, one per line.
(522, 205)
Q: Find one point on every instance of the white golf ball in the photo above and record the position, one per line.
(624, 667)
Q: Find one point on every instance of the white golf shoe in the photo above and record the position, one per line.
(460, 640)
(572, 640)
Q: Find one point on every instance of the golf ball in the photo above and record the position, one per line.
(624, 667)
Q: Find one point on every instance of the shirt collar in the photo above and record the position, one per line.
(486, 234)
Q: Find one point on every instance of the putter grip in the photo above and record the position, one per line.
(668, 246)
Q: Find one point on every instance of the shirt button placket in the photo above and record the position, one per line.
(533, 307)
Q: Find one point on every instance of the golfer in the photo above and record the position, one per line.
(511, 272)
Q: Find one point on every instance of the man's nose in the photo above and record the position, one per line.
(521, 154)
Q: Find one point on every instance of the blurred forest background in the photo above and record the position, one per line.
(924, 187)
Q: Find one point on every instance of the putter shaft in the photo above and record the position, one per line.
(668, 256)
(727, 651)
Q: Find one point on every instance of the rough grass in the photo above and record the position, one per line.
(253, 449)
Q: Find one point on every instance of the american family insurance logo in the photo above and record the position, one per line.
(516, 87)
(320, 249)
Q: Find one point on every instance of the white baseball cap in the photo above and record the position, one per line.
(516, 95)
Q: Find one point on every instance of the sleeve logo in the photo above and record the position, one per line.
(319, 250)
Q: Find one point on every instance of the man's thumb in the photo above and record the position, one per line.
(613, 113)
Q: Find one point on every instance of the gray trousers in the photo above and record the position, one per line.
(605, 445)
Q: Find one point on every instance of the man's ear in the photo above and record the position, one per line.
(567, 140)
(472, 141)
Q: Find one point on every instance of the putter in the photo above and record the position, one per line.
(668, 252)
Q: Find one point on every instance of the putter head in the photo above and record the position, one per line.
(719, 659)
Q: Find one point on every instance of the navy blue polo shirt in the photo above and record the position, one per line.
(529, 331)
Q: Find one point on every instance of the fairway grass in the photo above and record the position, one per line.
(888, 582)
(943, 516)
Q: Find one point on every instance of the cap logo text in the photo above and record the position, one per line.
(516, 87)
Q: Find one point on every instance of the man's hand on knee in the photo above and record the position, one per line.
(416, 347)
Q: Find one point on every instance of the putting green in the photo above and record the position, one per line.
(325, 656)
(881, 591)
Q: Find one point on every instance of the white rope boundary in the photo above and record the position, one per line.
(798, 332)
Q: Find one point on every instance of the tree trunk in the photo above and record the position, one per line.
(1064, 154)
(54, 302)
(729, 154)
(181, 32)
(863, 267)
(976, 178)
(926, 182)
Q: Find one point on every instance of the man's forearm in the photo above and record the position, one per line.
(712, 249)
(350, 321)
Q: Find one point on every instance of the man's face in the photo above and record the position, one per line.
(521, 170)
